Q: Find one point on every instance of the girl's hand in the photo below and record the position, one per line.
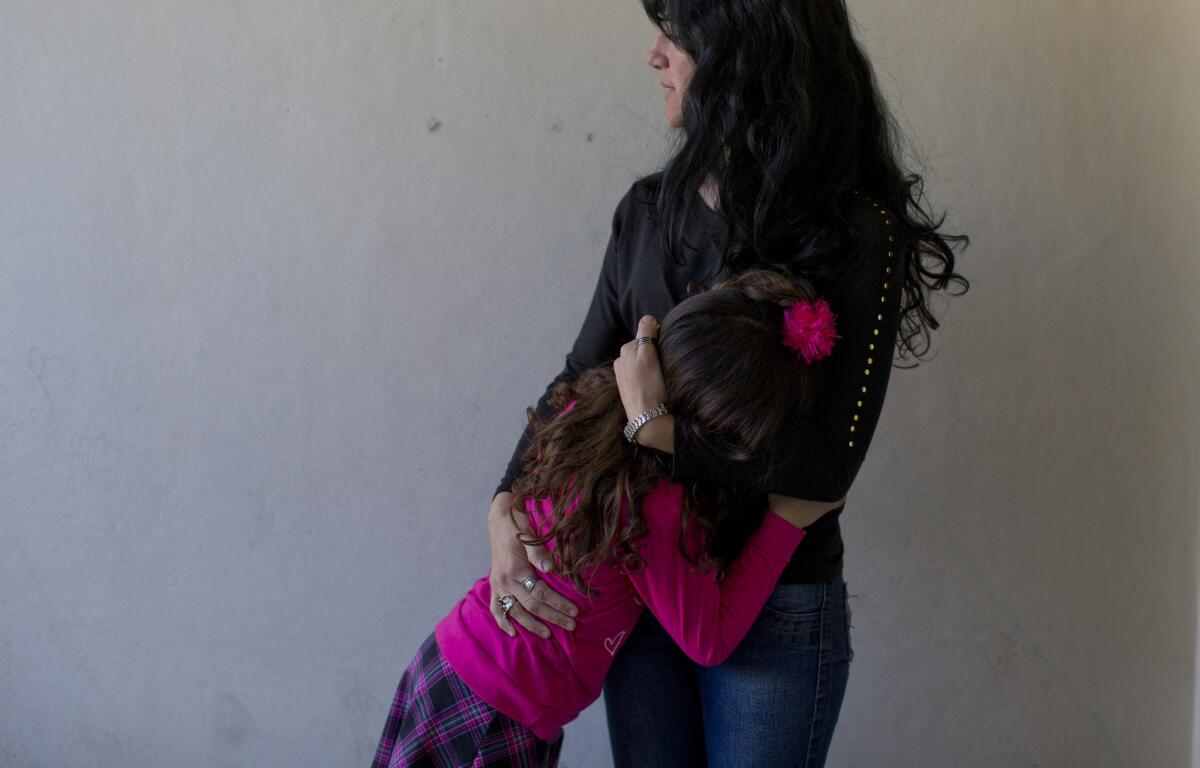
(639, 375)
(513, 561)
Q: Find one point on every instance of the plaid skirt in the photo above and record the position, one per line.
(436, 721)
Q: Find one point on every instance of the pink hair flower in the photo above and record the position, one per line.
(808, 328)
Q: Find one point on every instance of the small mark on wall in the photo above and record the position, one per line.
(360, 702)
(433, 125)
(231, 719)
(588, 137)
(556, 126)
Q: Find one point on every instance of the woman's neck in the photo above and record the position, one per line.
(708, 192)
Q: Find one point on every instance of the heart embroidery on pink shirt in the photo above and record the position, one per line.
(611, 643)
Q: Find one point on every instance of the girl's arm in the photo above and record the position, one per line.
(706, 618)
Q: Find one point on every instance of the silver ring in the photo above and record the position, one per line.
(646, 340)
(506, 602)
(529, 582)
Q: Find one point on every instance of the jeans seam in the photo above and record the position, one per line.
(849, 645)
(817, 699)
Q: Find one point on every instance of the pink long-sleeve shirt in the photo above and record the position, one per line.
(545, 684)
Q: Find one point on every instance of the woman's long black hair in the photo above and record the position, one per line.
(784, 112)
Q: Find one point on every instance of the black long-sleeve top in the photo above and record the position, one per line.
(863, 288)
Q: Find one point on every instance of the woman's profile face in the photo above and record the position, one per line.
(674, 69)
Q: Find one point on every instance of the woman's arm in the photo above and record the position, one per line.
(706, 618)
(823, 456)
(598, 340)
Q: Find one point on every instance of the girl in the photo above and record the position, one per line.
(735, 359)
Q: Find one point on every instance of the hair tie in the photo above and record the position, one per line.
(808, 328)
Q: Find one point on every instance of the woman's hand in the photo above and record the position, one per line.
(640, 382)
(513, 561)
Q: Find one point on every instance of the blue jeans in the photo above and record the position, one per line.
(773, 702)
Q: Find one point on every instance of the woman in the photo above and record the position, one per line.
(474, 696)
(787, 160)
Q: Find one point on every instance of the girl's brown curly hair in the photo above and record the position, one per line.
(730, 380)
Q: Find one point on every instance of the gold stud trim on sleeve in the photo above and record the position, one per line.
(887, 221)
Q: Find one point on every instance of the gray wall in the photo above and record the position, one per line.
(278, 279)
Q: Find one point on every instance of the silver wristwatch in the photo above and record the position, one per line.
(632, 427)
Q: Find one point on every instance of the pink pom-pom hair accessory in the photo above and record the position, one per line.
(808, 328)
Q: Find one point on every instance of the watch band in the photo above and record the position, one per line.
(633, 426)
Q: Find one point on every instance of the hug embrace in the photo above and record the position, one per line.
(667, 530)
(736, 361)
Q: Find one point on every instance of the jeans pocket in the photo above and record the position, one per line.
(795, 607)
